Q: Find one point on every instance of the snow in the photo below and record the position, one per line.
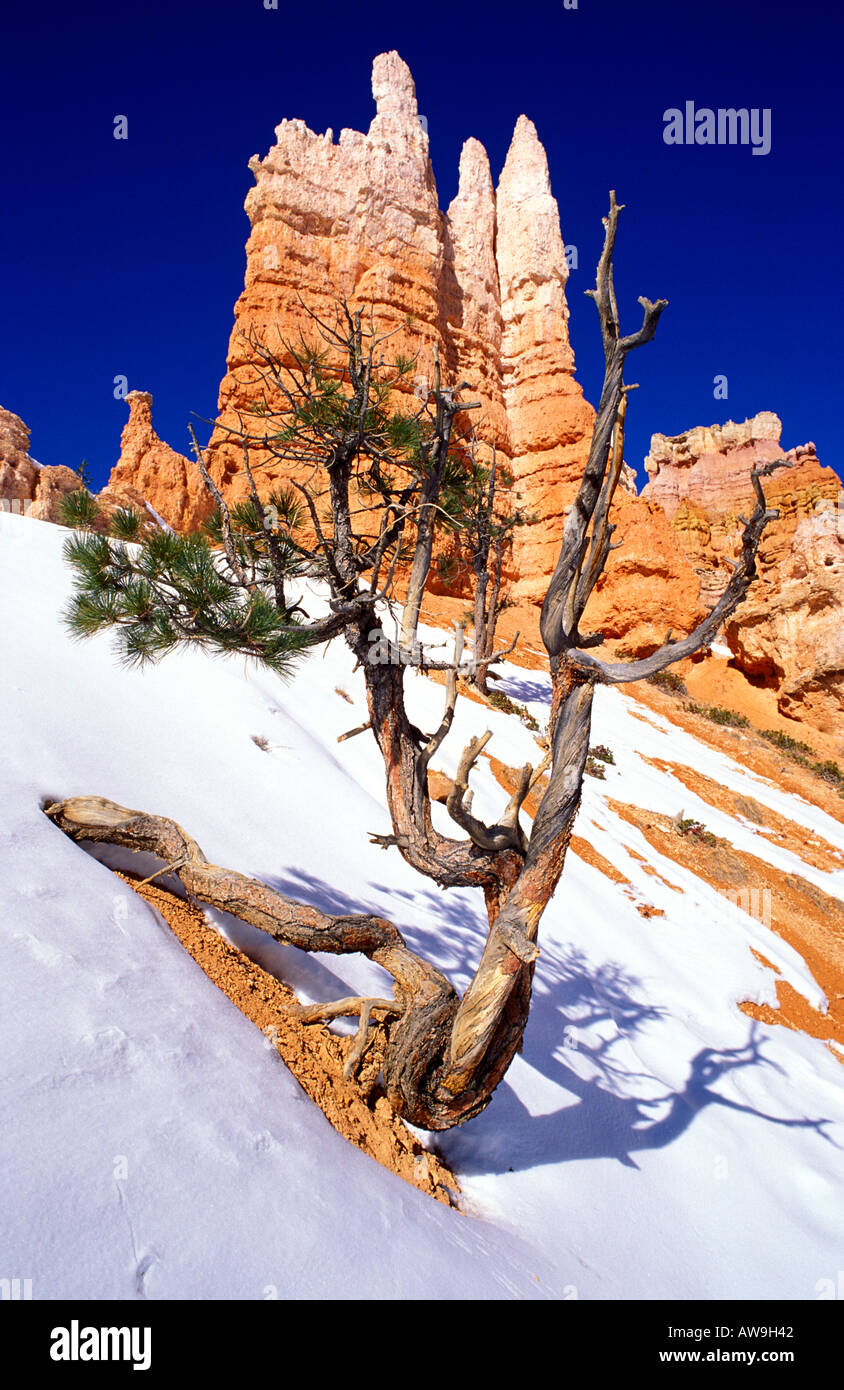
(650, 1142)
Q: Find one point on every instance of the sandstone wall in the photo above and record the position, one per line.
(485, 281)
(789, 632)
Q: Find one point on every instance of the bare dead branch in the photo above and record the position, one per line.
(560, 614)
(615, 673)
(361, 1039)
(228, 543)
(345, 1008)
(352, 733)
(435, 742)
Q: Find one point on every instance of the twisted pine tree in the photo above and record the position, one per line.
(368, 475)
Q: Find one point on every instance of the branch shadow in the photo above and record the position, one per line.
(519, 688)
(582, 1014)
(604, 1120)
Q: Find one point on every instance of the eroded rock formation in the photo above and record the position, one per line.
(649, 587)
(28, 487)
(549, 421)
(36, 490)
(789, 632)
(149, 469)
(484, 281)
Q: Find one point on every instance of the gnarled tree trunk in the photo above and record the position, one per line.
(445, 1055)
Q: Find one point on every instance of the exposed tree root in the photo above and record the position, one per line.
(425, 1002)
(443, 1056)
(317, 1058)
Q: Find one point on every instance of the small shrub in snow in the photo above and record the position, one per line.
(499, 700)
(602, 753)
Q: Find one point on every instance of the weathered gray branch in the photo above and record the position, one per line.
(616, 673)
(560, 614)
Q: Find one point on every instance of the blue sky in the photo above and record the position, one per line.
(126, 257)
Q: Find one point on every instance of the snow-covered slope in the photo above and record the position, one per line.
(651, 1141)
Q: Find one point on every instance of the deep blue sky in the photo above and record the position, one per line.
(126, 257)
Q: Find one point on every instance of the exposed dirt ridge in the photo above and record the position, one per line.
(310, 1051)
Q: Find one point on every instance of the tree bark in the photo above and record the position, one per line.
(444, 1056)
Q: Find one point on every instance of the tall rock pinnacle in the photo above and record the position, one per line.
(393, 88)
(469, 298)
(548, 418)
(484, 282)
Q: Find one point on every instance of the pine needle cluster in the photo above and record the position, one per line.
(171, 590)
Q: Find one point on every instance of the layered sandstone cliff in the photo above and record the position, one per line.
(789, 632)
(484, 282)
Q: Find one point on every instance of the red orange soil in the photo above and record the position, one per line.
(312, 1053)
(810, 920)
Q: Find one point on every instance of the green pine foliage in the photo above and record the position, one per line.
(84, 473)
(172, 590)
(126, 524)
(79, 510)
(264, 536)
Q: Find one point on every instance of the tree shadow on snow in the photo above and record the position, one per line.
(603, 1120)
(581, 1034)
(519, 688)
